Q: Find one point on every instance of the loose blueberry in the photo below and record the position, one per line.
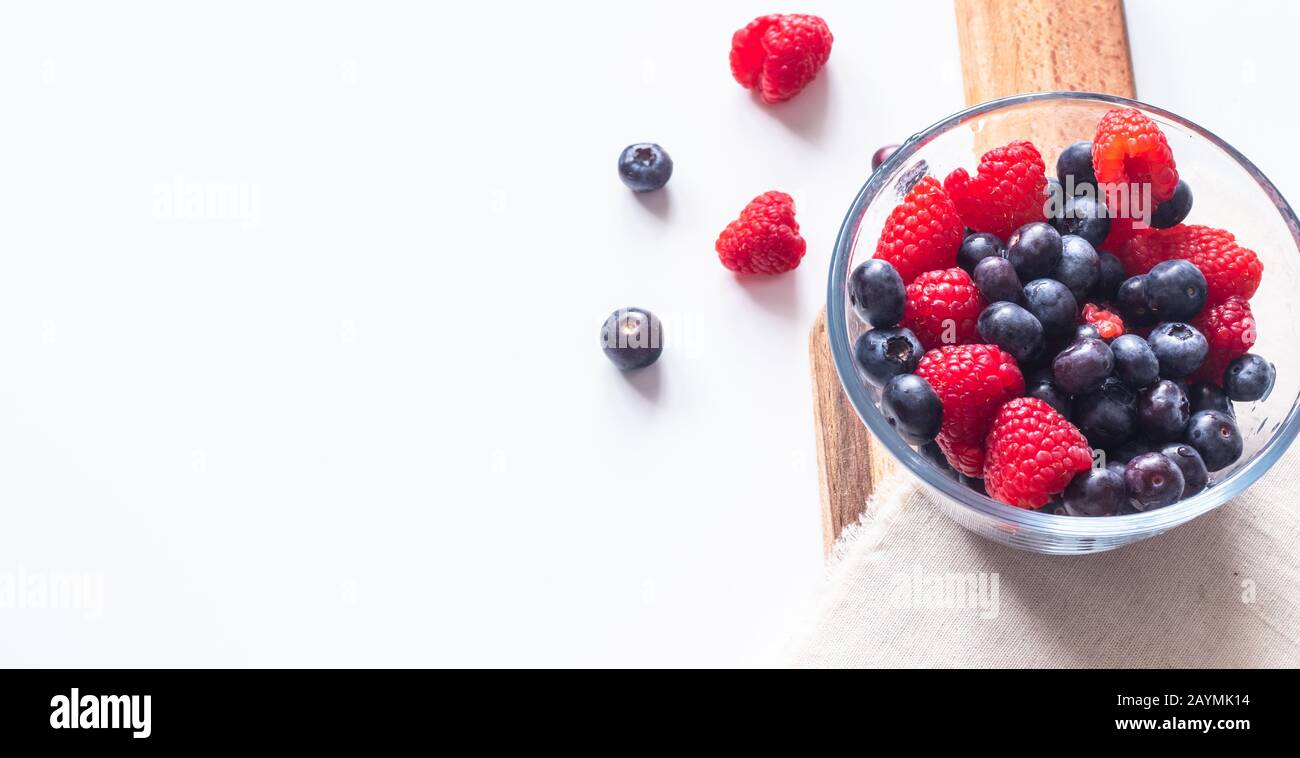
(1086, 332)
(1163, 411)
(1179, 348)
(996, 280)
(1134, 361)
(1079, 266)
(877, 293)
(1174, 290)
(1039, 384)
(1153, 481)
(1118, 468)
(1053, 305)
(1084, 216)
(1172, 211)
(1185, 457)
(1011, 328)
(883, 354)
(632, 338)
(1128, 450)
(1095, 492)
(977, 247)
(1074, 167)
(1111, 276)
(1034, 249)
(1209, 397)
(1132, 301)
(1249, 378)
(1107, 416)
(1215, 436)
(911, 406)
(882, 155)
(644, 167)
(1082, 366)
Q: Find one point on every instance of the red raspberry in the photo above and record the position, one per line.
(1107, 322)
(971, 382)
(1121, 231)
(936, 299)
(780, 54)
(1130, 149)
(1141, 252)
(1229, 268)
(1229, 327)
(765, 239)
(923, 233)
(1033, 453)
(1006, 193)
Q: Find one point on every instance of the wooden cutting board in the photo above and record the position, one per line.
(1007, 47)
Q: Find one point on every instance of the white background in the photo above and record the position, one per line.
(360, 415)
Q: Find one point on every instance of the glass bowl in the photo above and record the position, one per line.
(1230, 193)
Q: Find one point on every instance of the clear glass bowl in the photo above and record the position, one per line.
(1230, 193)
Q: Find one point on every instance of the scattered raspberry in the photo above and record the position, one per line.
(765, 239)
(1006, 193)
(1130, 149)
(1107, 322)
(780, 54)
(971, 382)
(1229, 268)
(1229, 327)
(938, 299)
(1033, 453)
(1141, 252)
(1121, 231)
(923, 233)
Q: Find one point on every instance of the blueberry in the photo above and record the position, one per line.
(910, 405)
(1082, 366)
(1208, 397)
(1034, 249)
(1174, 290)
(1111, 275)
(996, 280)
(644, 167)
(1040, 385)
(1118, 468)
(1172, 211)
(1215, 436)
(1134, 361)
(1132, 301)
(1128, 450)
(883, 354)
(932, 452)
(1179, 348)
(1011, 328)
(882, 155)
(1107, 416)
(877, 293)
(1086, 332)
(1095, 492)
(1185, 457)
(1079, 266)
(1163, 411)
(1083, 216)
(1053, 305)
(1074, 167)
(977, 247)
(632, 338)
(1153, 481)
(1249, 378)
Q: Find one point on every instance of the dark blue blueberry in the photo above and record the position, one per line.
(911, 406)
(644, 167)
(1153, 481)
(1086, 332)
(996, 280)
(1034, 249)
(1082, 366)
(977, 247)
(883, 354)
(1128, 450)
(1185, 457)
(1039, 384)
(1163, 411)
(1134, 361)
(1174, 290)
(882, 155)
(1215, 436)
(1011, 328)
(1132, 301)
(1084, 216)
(1179, 348)
(877, 293)
(1074, 167)
(1053, 200)
(1118, 468)
(1095, 492)
(1208, 397)
(934, 454)
(1249, 378)
(1172, 211)
(1111, 276)
(1053, 305)
(632, 338)
(1079, 266)
(1107, 416)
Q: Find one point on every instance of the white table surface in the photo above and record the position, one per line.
(299, 312)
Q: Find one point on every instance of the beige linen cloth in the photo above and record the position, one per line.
(909, 587)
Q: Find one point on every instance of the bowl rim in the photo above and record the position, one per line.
(1138, 524)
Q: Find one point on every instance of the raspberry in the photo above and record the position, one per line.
(971, 382)
(1121, 231)
(943, 304)
(765, 239)
(923, 233)
(1229, 328)
(1130, 149)
(1006, 193)
(1141, 252)
(780, 54)
(1229, 268)
(1108, 323)
(1033, 453)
